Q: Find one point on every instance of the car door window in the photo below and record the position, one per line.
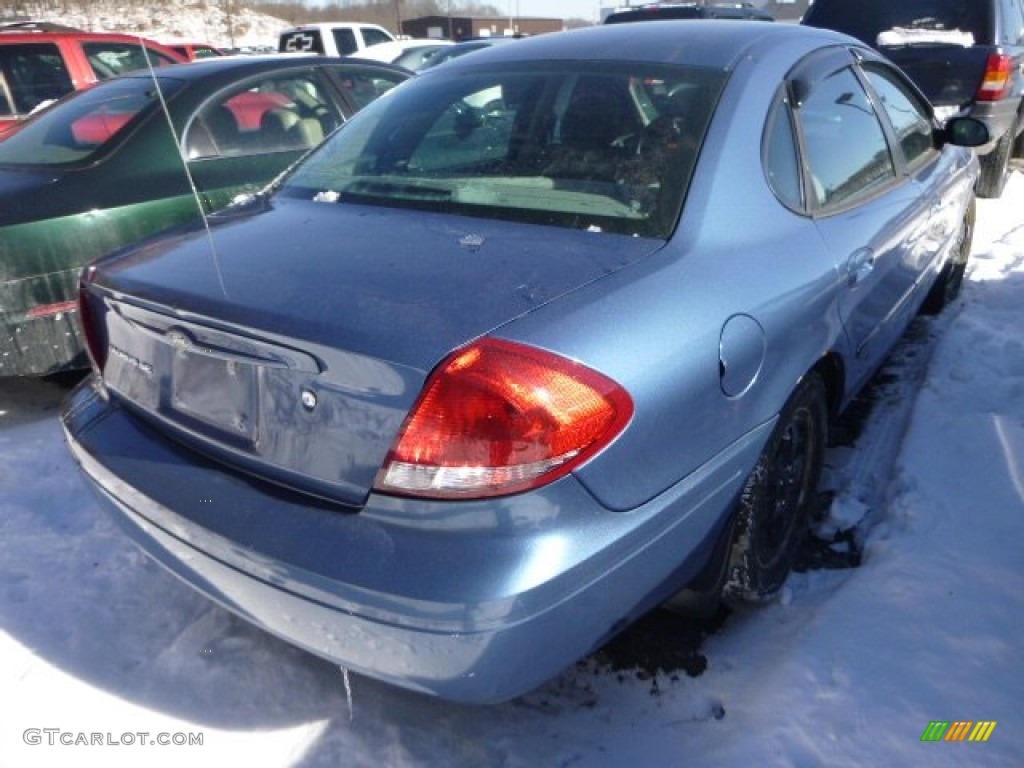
(846, 150)
(910, 118)
(363, 86)
(109, 59)
(34, 73)
(345, 41)
(272, 114)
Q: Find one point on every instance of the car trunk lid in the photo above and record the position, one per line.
(294, 340)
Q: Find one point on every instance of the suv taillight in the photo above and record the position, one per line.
(996, 83)
(86, 317)
(499, 417)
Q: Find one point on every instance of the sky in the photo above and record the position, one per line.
(103, 655)
(564, 9)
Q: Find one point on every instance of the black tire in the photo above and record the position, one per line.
(774, 509)
(951, 279)
(995, 168)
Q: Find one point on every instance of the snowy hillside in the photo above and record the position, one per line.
(192, 20)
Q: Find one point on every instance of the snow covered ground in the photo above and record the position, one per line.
(847, 669)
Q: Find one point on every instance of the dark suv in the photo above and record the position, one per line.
(967, 56)
(689, 11)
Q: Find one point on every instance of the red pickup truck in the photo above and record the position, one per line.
(39, 65)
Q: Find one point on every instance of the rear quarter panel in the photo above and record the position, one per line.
(656, 327)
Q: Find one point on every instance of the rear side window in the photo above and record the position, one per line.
(846, 150)
(781, 164)
(880, 23)
(109, 59)
(31, 74)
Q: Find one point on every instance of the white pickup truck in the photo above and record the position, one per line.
(332, 38)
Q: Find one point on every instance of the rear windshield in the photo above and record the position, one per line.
(575, 145)
(909, 22)
(82, 126)
(308, 41)
(654, 13)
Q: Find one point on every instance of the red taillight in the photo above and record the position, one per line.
(93, 345)
(998, 78)
(499, 417)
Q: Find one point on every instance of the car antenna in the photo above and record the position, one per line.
(184, 166)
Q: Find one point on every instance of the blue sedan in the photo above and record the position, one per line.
(534, 344)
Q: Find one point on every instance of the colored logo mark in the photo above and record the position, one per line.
(958, 730)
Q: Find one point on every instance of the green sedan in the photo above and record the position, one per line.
(110, 165)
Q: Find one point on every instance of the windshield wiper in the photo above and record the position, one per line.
(396, 189)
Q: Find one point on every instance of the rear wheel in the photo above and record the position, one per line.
(774, 509)
(947, 286)
(995, 167)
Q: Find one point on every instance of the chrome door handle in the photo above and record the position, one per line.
(859, 265)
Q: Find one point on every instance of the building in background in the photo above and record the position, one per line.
(465, 27)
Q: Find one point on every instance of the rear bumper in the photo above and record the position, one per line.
(472, 602)
(39, 331)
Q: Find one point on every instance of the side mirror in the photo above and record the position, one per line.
(964, 132)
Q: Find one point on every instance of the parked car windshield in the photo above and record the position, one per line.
(84, 124)
(584, 146)
(883, 22)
